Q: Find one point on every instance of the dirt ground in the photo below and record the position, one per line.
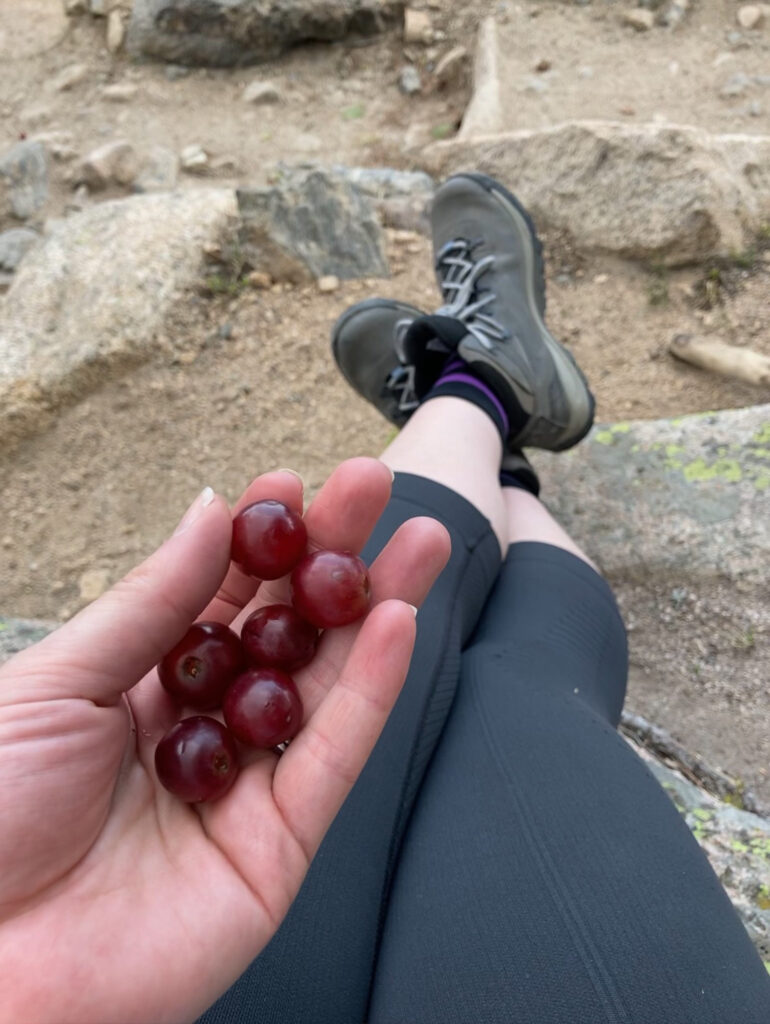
(254, 386)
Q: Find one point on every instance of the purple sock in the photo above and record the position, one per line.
(458, 380)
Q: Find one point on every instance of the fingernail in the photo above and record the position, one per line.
(391, 471)
(293, 473)
(193, 513)
(414, 610)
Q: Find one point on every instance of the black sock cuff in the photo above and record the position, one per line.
(525, 479)
(458, 389)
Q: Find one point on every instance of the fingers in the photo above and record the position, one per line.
(314, 776)
(116, 640)
(406, 569)
(238, 588)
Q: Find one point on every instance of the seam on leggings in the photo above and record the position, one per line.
(601, 979)
(451, 627)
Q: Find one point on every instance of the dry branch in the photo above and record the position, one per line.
(727, 360)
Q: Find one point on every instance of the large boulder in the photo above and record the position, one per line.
(676, 513)
(225, 33)
(650, 192)
(312, 224)
(94, 294)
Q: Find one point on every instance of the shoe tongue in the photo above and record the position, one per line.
(426, 344)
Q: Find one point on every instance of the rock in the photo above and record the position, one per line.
(225, 33)
(102, 8)
(194, 159)
(93, 583)
(484, 114)
(69, 77)
(120, 92)
(676, 513)
(262, 93)
(735, 86)
(24, 180)
(417, 27)
(114, 163)
(735, 841)
(670, 193)
(14, 244)
(640, 18)
(175, 72)
(750, 16)
(401, 198)
(260, 280)
(409, 80)
(327, 284)
(116, 31)
(673, 14)
(125, 263)
(159, 171)
(72, 7)
(311, 225)
(453, 69)
(18, 634)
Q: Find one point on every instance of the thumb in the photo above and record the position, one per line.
(116, 640)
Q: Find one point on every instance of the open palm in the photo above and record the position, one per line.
(117, 902)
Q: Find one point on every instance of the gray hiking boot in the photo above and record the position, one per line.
(364, 344)
(489, 268)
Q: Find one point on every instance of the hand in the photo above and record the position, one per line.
(118, 903)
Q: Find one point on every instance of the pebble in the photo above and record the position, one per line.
(543, 65)
(75, 7)
(640, 18)
(194, 159)
(736, 85)
(262, 93)
(116, 31)
(452, 66)
(533, 83)
(749, 16)
(260, 280)
(120, 92)
(417, 27)
(93, 583)
(409, 80)
(69, 77)
(159, 171)
(115, 163)
(327, 284)
(601, 278)
(14, 245)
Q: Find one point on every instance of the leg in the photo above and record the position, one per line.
(545, 877)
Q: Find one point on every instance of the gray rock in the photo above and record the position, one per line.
(159, 171)
(114, 163)
(125, 263)
(484, 113)
(24, 180)
(409, 80)
(226, 33)
(736, 85)
(262, 93)
(669, 193)
(313, 224)
(13, 246)
(736, 842)
(18, 634)
(402, 198)
(676, 513)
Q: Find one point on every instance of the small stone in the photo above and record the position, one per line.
(7, 541)
(116, 31)
(534, 84)
(120, 92)
(328, 283)
(24, 173)
(101, 8)
(93, 583)
(452, 67)
(13, 245)
(736, 39)
(750, 16)
(639, 18)
(755, 109)
(543, 65)
(114, 163)
(194, 159)
(72, 7)
(159, 172)
(69, 77)
(259, 280)
(736, 85)
(262, 94)
(174, 72)
(409, 80)
(417, 27)
(601, 278)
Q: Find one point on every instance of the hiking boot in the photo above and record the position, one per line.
(489, 267)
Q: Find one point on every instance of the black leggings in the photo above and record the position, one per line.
(505, 855)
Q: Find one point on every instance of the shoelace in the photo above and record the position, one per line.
(459, 272)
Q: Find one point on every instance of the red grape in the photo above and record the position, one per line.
(263, 708)
(268, 539)
(331, 588)
(197, 759)
(202, 665)
(279, 637)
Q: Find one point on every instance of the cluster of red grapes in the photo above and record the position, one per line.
(248, 676)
